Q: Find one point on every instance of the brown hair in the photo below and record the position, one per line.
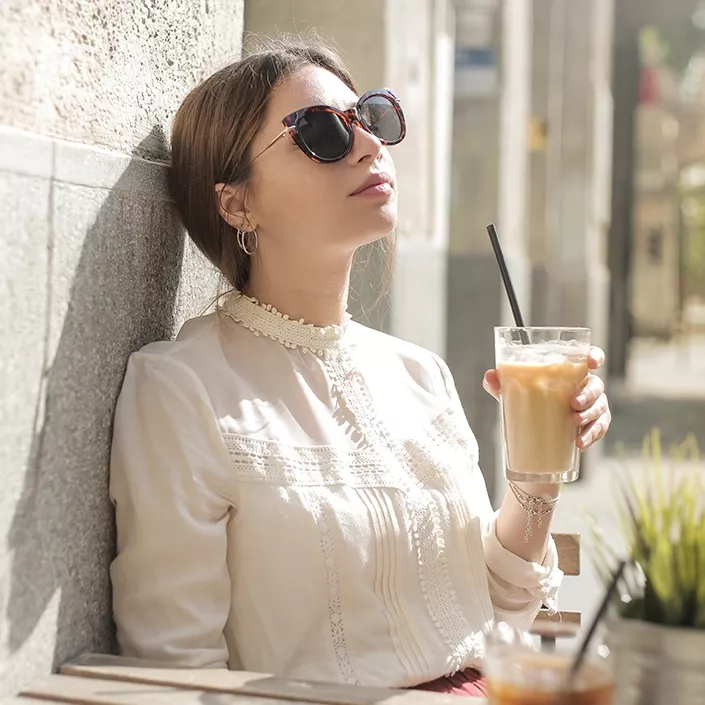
(212, 134)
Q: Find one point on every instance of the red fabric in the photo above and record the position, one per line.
(465, 683)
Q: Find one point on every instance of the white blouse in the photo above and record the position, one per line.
(306, 502)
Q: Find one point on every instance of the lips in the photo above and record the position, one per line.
(374, 180)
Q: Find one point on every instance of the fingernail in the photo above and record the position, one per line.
(581, 399)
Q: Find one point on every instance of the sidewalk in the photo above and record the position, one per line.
(664, 389)
(673, 369)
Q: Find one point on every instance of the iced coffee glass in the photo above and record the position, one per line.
(540, 371)
(518, 673)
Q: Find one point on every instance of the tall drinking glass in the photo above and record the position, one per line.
(541, 370)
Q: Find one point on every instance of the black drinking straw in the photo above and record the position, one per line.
(597, 619)
(508, 286)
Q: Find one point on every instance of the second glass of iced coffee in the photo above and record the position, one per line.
(541, 371)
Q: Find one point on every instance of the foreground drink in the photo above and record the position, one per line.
(540, 370)
(517, 673)
(539, 679)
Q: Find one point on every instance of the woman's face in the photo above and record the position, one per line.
(298, 205)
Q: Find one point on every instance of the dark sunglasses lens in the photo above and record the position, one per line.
(325, 134)
(381, 118)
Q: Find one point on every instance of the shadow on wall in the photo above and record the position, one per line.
(123, 296)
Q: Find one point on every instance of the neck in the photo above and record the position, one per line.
(314, 291)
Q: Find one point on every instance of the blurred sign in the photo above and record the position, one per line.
(538, 134)
(476, 73)
(473, 26)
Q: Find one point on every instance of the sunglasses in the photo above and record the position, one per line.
(326, 134)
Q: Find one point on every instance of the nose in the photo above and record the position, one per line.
(366, 147)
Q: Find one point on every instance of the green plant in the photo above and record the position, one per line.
(662, 517)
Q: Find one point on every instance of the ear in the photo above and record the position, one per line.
(231, 202)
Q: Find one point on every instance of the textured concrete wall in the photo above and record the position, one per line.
(105, 73)
(93, 264)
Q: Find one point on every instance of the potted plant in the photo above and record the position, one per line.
(657, 631)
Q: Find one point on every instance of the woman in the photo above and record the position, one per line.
(295, 493)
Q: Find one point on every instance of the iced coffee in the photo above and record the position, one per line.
(541, 370)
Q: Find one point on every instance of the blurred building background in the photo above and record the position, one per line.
(578, 127)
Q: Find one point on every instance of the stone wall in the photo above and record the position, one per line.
(93, 265)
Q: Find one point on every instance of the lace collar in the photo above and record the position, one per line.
(264, 319)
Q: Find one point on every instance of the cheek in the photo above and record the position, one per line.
(298, 196)
(293, 194)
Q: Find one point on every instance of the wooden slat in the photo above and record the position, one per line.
(560, 632)
(555, 630)
(558, 626)
(568, 547)
(265, 687)
(94, 691)
(565, 617)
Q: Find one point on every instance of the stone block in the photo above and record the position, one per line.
(106, 73)
(96, 268)
(23, 291)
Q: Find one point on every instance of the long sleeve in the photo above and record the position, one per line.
(171, 586)
(517, 587)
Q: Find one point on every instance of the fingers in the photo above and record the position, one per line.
(595, 431)
(490, 383)
(596, 358)
(592, 390)
(592, 413)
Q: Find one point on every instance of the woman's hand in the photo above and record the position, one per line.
(591, 410)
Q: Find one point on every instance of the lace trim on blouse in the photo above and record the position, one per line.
(426, 525)
(265, 319)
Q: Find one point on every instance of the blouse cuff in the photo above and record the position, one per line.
(540, 580)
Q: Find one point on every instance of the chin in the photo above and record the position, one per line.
(367, 237)
(378, 225)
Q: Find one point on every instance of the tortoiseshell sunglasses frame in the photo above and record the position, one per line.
(350, 118)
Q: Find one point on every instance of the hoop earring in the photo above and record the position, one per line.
(241, 236)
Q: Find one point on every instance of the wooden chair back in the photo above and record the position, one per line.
(562, 624)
